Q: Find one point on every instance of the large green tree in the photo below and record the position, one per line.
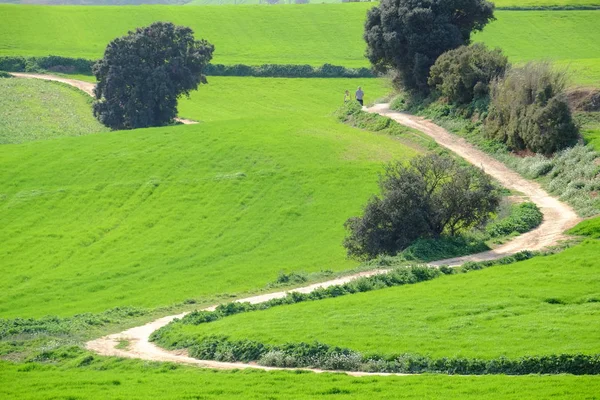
(431, 196)
(143, 74)
(407, 36)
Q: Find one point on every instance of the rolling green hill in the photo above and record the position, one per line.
(33, 110)
(546, 305)
(156, 216)
(302, 34)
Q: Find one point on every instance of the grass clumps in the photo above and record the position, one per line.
(523, 218)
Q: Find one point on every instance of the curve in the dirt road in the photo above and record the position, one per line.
(86, 87)
(558, 217)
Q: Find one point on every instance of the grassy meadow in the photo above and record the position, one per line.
(111, 378)
(294, 34)
(129, 379)
(35, 110)
(156, 216)
(546, 305)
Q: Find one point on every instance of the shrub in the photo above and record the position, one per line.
(320, 355)
(524, 218)
(529, 111)
(407, 36)
(464, 74)
(430, 196)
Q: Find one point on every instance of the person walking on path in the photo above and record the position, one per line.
(359, 95)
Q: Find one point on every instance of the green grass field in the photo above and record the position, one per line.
(34, 110)
(156, 216)
(301, 34)
(569, 38)
(127, 379)
(546, 305)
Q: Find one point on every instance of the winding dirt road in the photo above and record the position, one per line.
(558, 217)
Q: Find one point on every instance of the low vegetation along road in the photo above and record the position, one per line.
(558, 217)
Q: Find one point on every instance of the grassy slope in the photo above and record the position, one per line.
(33, 110)
(156, 216)
(141, 380)
(499, 311)
(570, 38)
(303, 34)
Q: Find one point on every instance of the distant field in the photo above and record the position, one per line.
(252, 35)
(569, 38)
(132, 380)
(33, 110)
(547, 305)
(301, 34)
(156, 216)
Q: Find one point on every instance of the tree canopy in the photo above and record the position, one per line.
(407, 36)
(431, 196)
(143, 73)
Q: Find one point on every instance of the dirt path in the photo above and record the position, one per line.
(558, 217)
(86, 87)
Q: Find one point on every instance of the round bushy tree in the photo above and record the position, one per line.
(529, 110)
(464, 74)
(407, 36)
(431, 196)
(143, 73)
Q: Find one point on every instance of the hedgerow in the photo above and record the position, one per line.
(323, 356)
(83, 66)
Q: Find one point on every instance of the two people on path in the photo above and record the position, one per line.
(358, 95)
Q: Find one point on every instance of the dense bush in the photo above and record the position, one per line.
(529, 111)
(407, 36)
(430, 196)
(525, 217)
(464, 74)
(49, 63)
(142, 75)
(323, 356)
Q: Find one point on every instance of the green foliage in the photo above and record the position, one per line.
(351, 113)
(431, 196)
(142, 75)
(526, 216)
(32, 110)
(528, 110)
(464, 74)
(408, 36)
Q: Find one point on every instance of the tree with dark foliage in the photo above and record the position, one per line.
(142, 75)
(431, 196)
(407, 36)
